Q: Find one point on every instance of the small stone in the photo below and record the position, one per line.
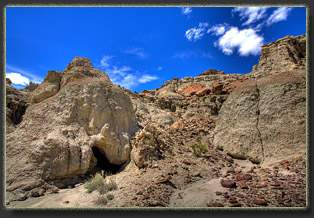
(237, 204)
(283, 162)
(244, 177)
(197, 174)
(66, 202)
(34, 137)
(186, 162)
(260, 201)
(163, 179)
(146, 196)
(218, 193)
(243, 185)
(230, 170)
(228, 183)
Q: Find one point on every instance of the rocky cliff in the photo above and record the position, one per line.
(239, 137)
(71, 114)
(284, 55)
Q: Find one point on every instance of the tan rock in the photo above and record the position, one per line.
(260, 119)
(88, 111)
(48, 88)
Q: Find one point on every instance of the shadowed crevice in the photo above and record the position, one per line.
(104, 164)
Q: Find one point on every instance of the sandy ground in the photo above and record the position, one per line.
(196, 194)
(65, 198)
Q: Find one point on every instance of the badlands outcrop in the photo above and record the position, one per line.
(70, 114)
(214, 140)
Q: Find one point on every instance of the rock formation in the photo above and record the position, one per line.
(70, 113)
(264, 118)
(284, 55)
(211, 72)
(239, 138)
(16, 104)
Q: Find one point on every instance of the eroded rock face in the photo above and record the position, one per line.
(53, 144)
(265, 119)
(286, 54)
(48, 88)
(211, 72)
(150, 145)
(16, 104)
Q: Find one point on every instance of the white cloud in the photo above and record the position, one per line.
(159, 68)
(196, 33)
(104, 63)
(147, 78)
(136, 51)
(120, 71)
(17, 78)
(218, 29)
(252, 14)
(246, 41)
(31, 76)
(279, 14)
(191, 54)
(128, 82)
(125, 76)
(186, 10)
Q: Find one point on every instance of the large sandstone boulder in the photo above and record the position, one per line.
(264, 119)
(53, 145)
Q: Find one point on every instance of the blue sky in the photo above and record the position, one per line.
(142, 47)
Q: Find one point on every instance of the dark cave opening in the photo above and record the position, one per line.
(104, 164)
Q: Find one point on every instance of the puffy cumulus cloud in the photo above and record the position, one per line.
(147, 78)
(186, 10)
(18, 79)
(279, 14)
(246, 41)
(218, 29)
(105, 61)
(196, 33)
(252, 14)
(32, 77)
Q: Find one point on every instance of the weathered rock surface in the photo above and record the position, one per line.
(211, 72)
(264, 119)
(186, 147)
(16, 104)
(53, 144)
(284, 55)
(48, 88)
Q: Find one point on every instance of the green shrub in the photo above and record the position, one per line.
(97, 183)
(101, 200)
(112, 185)
(199, 149)
(110, 197)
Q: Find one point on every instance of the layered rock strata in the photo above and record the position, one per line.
(285, 54)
